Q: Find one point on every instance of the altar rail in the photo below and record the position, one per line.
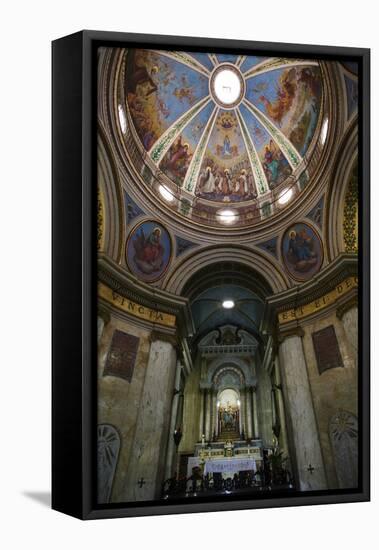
(244, 482)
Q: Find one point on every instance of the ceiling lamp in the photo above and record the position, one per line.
(227, 216)
(122, 119)
(324, 131)
(285, 196)
(228, 304)
(166, 194)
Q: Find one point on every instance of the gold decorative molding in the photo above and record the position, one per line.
(350, 214)
(135, 309)
(100, 220)
(319, 304)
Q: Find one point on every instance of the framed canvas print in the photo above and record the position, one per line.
(210, 275)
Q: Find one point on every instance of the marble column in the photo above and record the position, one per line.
(171, 449)
(309, 461)
(243, 411)
(283, 438)
(249, 419)
(151, 433)
(201, 421)
(213, 414)
(255, 413)
(349, 318)
(240, 415)
(208, 404)
(217, 422)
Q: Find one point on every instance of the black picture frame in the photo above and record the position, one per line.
(74, 132)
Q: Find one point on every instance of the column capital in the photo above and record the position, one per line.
(295, 331)
(104, 314)
(163, 337)
(344, 308)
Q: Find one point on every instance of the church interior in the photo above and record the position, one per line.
(227, 244)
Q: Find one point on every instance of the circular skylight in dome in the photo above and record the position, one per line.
(227, 86)
(222, 137)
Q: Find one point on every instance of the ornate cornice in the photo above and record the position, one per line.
(341, 269)
(116, 278)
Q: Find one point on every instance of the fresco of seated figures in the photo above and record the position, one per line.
(215, 149)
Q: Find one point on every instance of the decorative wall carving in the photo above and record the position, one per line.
(108, 447)
(228, 377)
(343, 433)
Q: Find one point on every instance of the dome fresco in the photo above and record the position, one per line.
(224, 129)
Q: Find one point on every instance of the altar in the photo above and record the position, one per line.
(225, 466)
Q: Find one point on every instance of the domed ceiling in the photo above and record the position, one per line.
(227, 137)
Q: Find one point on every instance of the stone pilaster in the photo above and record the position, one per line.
(174, 415)
(154, 410)
(243, 410)
(249, 416)
(309, 461)
(217, 422)
(255, 413)
(202, 414)
(213, 413)
(208, 404)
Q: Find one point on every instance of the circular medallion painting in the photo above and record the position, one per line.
(148, 251)
(302, 251)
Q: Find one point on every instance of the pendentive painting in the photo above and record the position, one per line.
(148, 251)
(302, 251)
(227, 247)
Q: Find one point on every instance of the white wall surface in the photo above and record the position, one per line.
(27, 27)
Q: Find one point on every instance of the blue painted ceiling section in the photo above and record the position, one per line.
(209, 314)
